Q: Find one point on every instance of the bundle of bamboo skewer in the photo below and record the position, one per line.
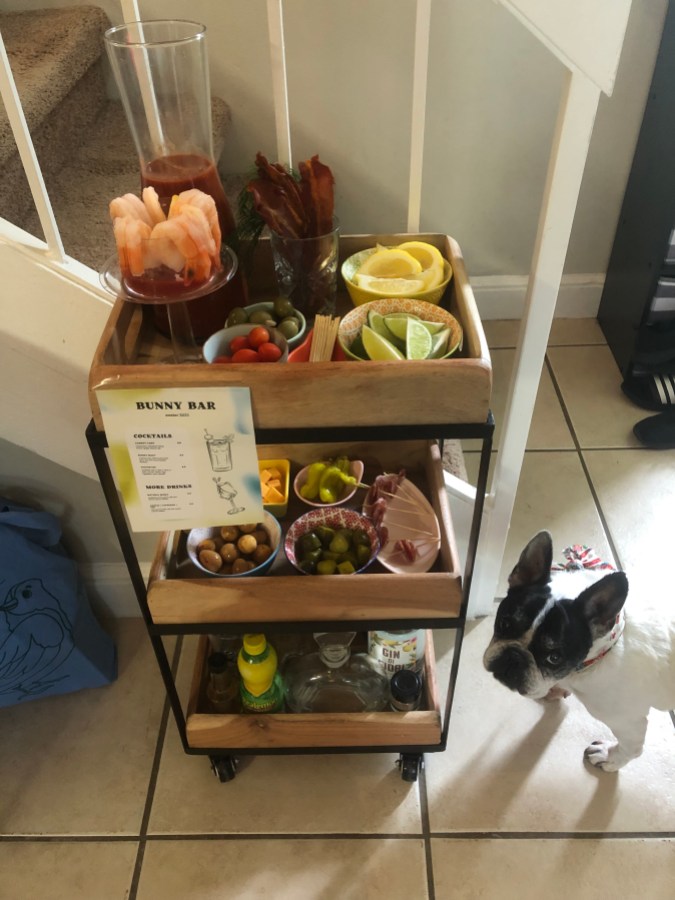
(323, 338)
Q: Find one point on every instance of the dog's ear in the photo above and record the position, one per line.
(534, 565)
(601, 602)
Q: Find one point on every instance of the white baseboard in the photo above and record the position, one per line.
(503, 296)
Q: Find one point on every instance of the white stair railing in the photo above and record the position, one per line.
(31, 166)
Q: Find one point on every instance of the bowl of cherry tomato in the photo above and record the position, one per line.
(247, 343)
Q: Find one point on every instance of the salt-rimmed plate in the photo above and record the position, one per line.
(409, 516)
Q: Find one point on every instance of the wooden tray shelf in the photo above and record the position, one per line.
(177, 595)
(450, 391)
(284, 730)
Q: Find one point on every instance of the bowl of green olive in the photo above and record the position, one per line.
(334, 541)
(278, 313)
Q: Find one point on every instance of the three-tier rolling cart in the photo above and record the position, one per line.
(389, 414)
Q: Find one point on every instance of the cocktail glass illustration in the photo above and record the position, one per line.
(220, 451)
(228, 492)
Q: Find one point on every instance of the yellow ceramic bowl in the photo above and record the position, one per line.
(351, 324)
(360, 295)
(284, 467)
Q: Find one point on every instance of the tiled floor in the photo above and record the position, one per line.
(99, 802)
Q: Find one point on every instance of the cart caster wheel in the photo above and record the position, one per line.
(410, 764)
(224, 767)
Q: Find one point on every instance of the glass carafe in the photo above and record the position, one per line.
(161, 71)
(334, 679)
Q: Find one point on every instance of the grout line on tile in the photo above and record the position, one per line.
(552, 835)
(152, 783)
(68, 838)
(287, 836)
(426, 830)
(596, 500)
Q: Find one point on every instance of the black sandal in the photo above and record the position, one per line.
(657, 432)
(651, 391)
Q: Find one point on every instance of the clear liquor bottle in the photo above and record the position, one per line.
(333, 679)
(222, 688)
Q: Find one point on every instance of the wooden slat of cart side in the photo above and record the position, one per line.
(287, 730)
(281, 598)
(295, 598)
(456, 390)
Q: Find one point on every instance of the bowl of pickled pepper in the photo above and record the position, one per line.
(332, 542)
(329, 482)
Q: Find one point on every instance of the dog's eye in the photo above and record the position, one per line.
(554, 657)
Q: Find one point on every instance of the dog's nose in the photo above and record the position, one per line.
(510, 666)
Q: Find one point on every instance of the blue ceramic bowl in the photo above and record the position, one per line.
(197, 535)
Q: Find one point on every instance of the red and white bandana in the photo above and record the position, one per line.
(579, 556)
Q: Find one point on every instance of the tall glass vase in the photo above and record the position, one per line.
(161, 71)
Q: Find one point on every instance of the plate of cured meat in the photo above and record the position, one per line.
(409, 532)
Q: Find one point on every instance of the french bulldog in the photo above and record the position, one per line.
(566, 631)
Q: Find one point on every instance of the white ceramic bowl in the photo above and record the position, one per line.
(355, 468)
(334, 517)
(219, 343)
(197, 535)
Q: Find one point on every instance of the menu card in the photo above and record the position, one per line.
(183, 457)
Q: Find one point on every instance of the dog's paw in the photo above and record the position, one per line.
(606, 755)
(557, 693)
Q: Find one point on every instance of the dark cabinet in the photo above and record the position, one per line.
(637, 309)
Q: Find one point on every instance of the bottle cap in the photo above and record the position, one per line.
(254, 643)
(405, 686)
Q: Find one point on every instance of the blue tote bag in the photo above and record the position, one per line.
(50, 640)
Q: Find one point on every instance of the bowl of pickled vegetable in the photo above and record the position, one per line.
(328, 482)
(333, 541)
(231, 551)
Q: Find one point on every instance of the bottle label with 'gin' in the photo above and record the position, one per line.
(394, 650)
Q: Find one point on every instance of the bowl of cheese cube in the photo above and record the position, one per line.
(274, 484)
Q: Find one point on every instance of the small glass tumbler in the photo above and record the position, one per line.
(306, 271)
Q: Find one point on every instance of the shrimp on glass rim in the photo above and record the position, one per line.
(152, 205)
(204, 202)
(130, 206)
(188, 240)
(189, 234)
(132, 237)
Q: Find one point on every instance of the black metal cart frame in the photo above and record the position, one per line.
(223, 760)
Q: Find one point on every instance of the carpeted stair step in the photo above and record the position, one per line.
(55, 55)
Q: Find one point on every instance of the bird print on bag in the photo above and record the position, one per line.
(35, 639)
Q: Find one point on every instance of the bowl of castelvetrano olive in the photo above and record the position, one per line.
(331, 541)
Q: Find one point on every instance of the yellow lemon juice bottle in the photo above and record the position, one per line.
(261, 685)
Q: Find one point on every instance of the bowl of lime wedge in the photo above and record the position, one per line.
(399, 329)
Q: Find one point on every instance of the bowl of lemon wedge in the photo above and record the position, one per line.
(413, 269)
